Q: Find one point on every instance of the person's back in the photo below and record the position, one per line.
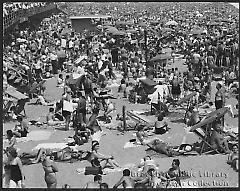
(128, 182)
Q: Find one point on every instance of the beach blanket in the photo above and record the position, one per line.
(35, 136)
(50, 146)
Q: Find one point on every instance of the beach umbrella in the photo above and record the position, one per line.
(171, 23)
(161, 57)
(47, 19)
(219, 112)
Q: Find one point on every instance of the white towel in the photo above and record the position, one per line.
(50, 146)
(35, 136)
(131, 145)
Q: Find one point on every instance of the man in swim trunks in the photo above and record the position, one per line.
(126, 181)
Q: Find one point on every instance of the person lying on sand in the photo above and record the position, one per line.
(126, 181)
(146, 163)
(233, 157)
(162, 147)
(65, 154)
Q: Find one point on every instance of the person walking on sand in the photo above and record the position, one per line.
(50, 170)
(126, 181)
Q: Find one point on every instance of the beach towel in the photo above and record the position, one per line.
(131, 145)
(35, 136)
(50, 146)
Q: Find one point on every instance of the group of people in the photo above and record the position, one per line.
(94, 57)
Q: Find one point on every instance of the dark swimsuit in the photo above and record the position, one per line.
(15, 173)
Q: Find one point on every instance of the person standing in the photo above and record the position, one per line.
(13, 169)
(50, 170)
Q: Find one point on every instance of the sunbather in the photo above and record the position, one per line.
(97, 182)
(217, 140)
(51, 120)
(99, 160)
(21, 129)
(174, 172)
(233, 157)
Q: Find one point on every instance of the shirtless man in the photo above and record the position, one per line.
(97, 182)
(126, 181)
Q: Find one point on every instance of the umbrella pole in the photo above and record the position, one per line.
(186, 110)
(124, 118)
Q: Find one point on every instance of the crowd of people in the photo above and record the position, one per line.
(95, 57)
(12, 7)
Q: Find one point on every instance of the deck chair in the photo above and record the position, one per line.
(204, 135)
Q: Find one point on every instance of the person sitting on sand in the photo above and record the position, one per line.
(146, 163)
(51, 120)
(161, 126)
(192, 116)
(99, 160)
(142, 136)
(233, 157)
(21, 129)
(97, 182)
(174, 172)
(41, 100)
(126, 181)
(217, 140)
(152, 179)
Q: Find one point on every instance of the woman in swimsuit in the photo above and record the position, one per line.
(105, 160)
(13, 169)
(219, 97)
(50, 170)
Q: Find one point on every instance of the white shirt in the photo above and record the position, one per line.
(67, 106)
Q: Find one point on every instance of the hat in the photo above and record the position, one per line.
(196, 79)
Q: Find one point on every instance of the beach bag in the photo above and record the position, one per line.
(89, 170)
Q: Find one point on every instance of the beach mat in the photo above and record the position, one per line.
(50, 146)
(35, 136)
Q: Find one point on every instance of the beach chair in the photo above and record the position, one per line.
(206, 147)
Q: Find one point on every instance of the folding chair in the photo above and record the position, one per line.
(204, 136)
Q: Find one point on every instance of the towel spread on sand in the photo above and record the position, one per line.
(35, 136)
(50, 146)
(131, 145)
